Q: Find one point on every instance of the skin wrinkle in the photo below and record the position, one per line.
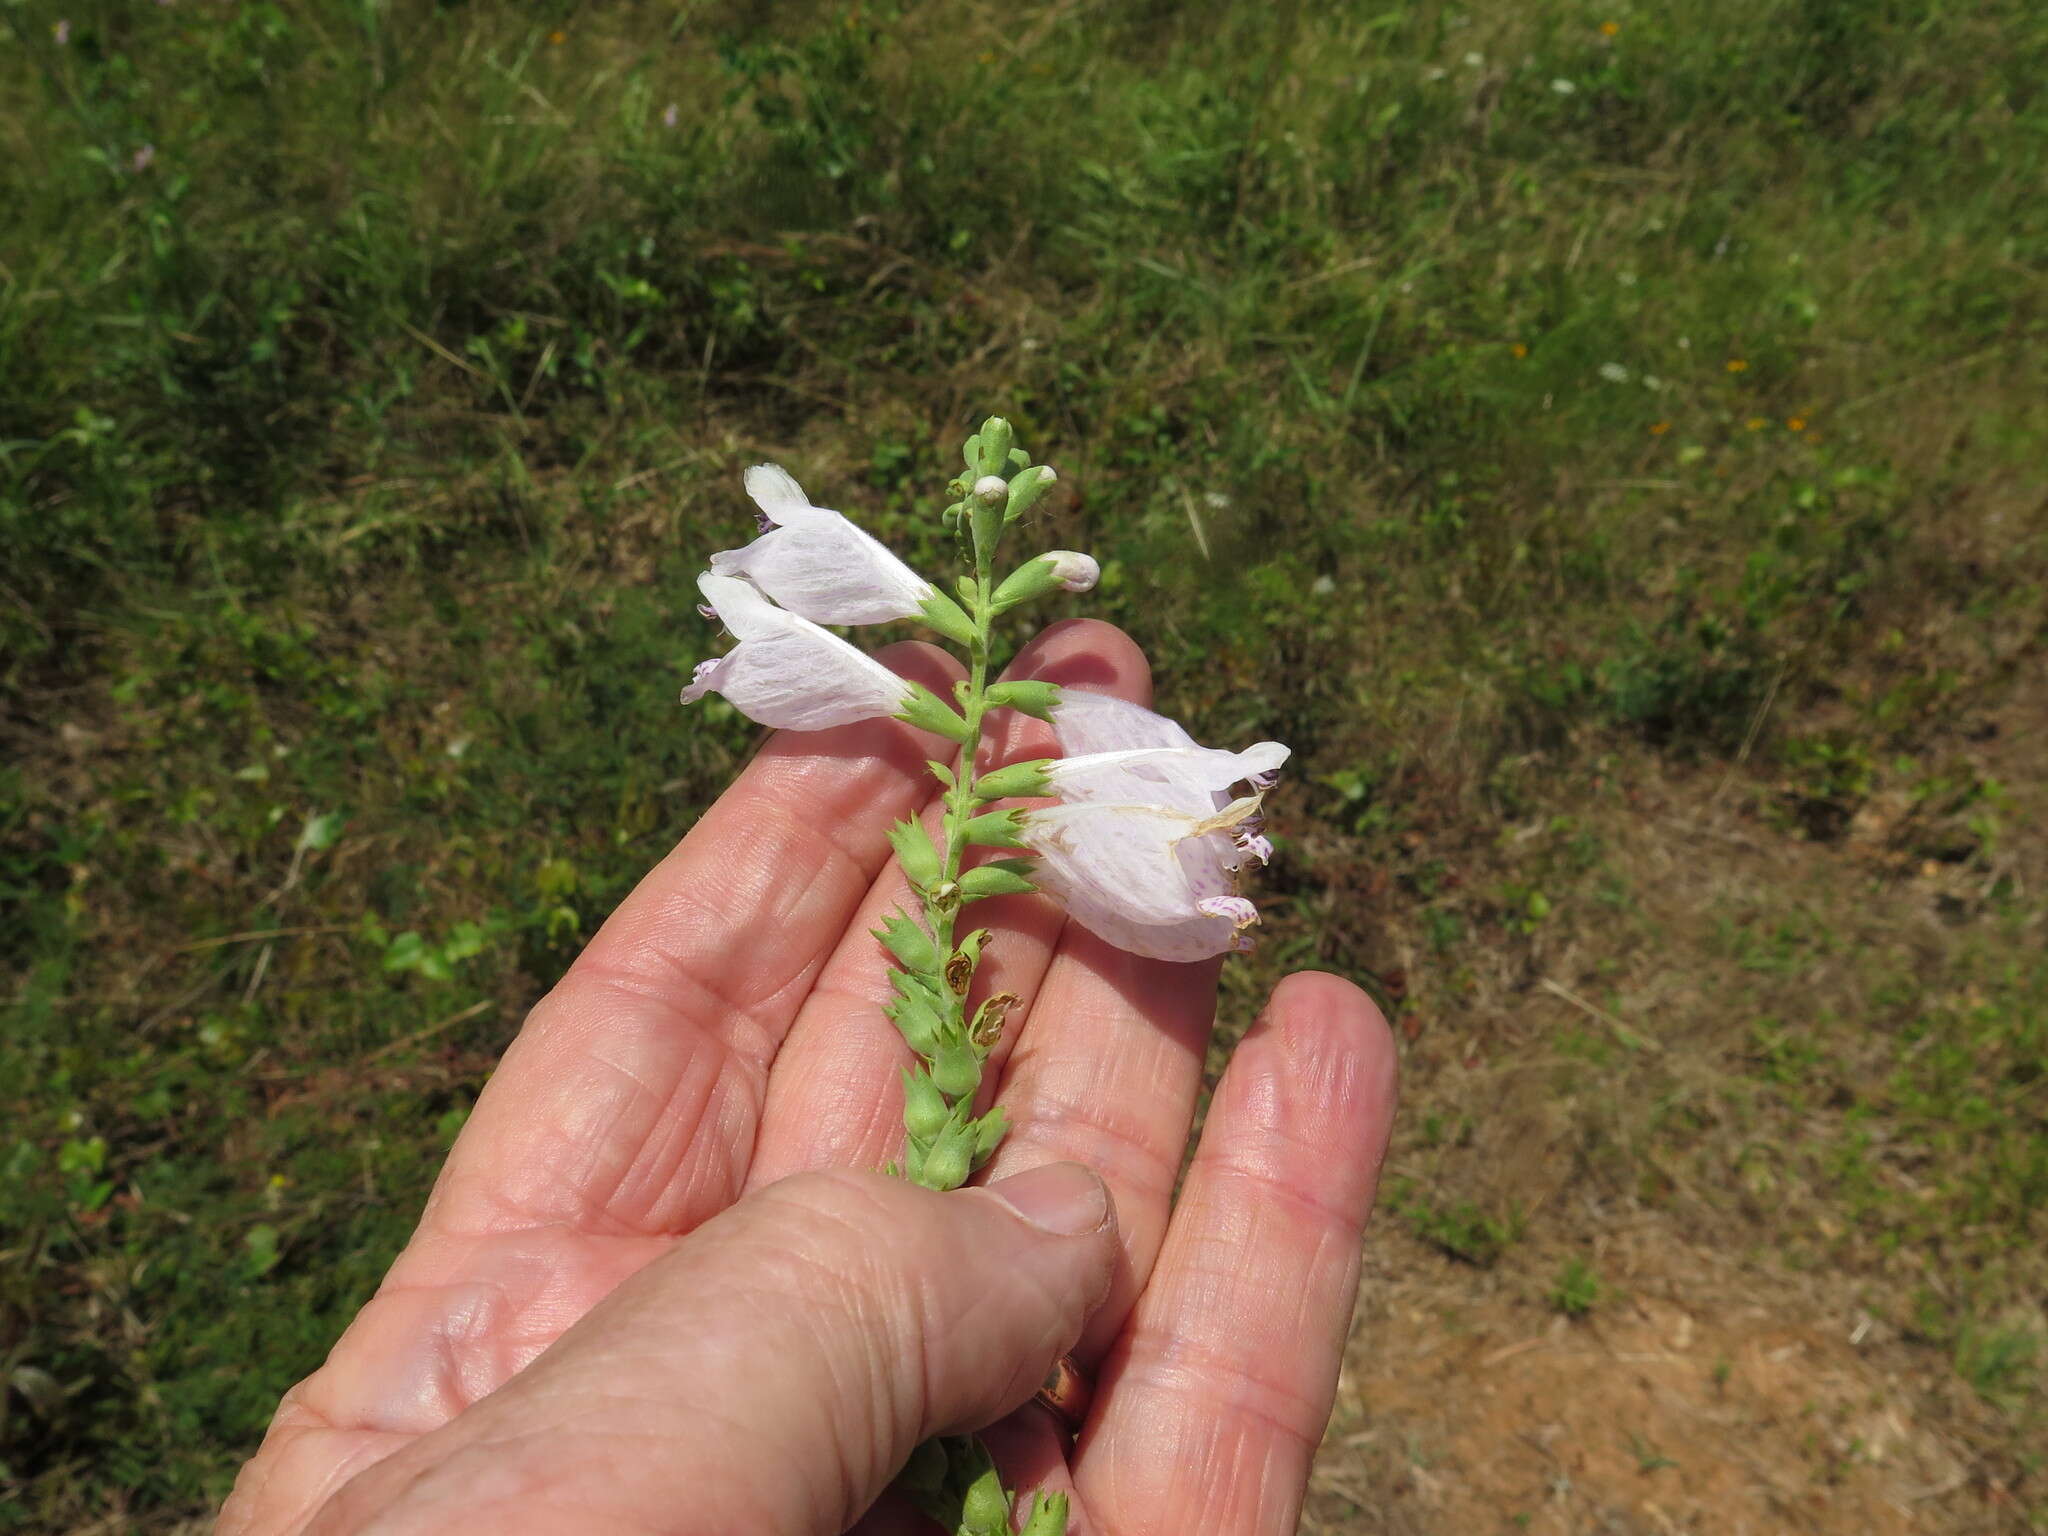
(1084, 1127)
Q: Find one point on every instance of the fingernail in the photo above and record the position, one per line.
(1062, 1198)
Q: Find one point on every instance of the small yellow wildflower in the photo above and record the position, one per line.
(1610, 29)
(557, 37)
(1796, 423)
(1756, 423)
(988, 58)
(1737, 365)
(1519, 349)
(1659, 428)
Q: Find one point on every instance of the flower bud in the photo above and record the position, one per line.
(992, 491)
(1066, 569)
(992, 446)
(1074, 571)
(1026, 489)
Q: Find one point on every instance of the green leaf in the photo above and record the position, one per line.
(994, 880)
(406, 952)
(927, 711)
(909, 943)
(321, 832)
(914, 851)
(1030, 698)
(1018, 779)
(943, 772)
(997, 829)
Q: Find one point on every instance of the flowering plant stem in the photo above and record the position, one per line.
(954, 1479)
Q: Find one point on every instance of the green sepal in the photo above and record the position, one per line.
(925, 1110)
(992, 447)
(948, 618)
(1034, 578)
(914, 851)
(916, 1022)
(998, 829)
(1001, 878)
(1025, 490)
(909, 943)
(989, 1131)
(956, 1069)
(969, 590)
(1019, 458)
(1035, 699)
(948, 1160)
(1027, 778)
(1048, 1515)
(943, 772)
(970, 454)
(927, 711)
(913, 1162)
(986, 1509)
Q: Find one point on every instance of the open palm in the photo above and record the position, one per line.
(724, 1031)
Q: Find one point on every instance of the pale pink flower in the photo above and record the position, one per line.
(1147, 844)
(816, 563)
(786, 671)
(1149, 879)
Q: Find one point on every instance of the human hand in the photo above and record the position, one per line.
(620, 1312)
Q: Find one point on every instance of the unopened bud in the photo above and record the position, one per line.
(992, 446)
(1074, 571)
(992, 491)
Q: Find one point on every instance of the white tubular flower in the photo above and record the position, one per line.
(1147, 844)
(816, 563)
(786, 671)
(1147, 878)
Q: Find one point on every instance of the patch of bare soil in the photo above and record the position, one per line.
(1691, 1402)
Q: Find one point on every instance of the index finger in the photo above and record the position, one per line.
(629, 1100)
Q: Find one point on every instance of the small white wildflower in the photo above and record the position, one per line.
(1614, 373)
(816, 563)
(1474, 60)
(1563, 87)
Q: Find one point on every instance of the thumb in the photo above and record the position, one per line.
(774, 1369)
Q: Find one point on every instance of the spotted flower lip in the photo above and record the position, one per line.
(1146, 878)
(817, 563)
(1146, 846)
(786, 671)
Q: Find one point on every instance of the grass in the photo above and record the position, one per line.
(1610, 455)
